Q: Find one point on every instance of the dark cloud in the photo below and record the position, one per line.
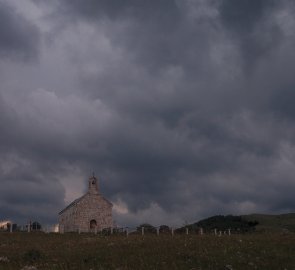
(282, 102)
(183, 109)
(94, 10)
(244, 16)
(28, 190)
(154, 32)
(19, 38)
(252, 26)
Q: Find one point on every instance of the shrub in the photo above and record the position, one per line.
(32, 255)
(164, 229)
(147, 228)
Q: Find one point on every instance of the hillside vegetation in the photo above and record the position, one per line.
(74, 251)
(281, 222)
(245, 223)
(257, 242)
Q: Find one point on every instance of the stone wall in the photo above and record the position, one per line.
(89, 207)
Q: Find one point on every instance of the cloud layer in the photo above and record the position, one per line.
(184, 109)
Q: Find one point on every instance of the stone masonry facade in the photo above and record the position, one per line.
(91, 212)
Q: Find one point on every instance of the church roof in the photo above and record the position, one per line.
(72, 204)
(78, 200)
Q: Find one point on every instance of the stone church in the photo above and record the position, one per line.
(91, 212)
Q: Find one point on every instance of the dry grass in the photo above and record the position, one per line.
(86, 251)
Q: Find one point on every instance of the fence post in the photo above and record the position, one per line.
(228, 231)
(158, 231)
(142, 230)
(29, 227)
(201, 231)
(219, 233)
(215, 231)
(186, 231)
(127, 232)
(172, 231)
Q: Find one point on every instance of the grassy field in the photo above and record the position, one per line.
(85, 251)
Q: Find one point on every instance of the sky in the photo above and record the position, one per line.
(184, 109)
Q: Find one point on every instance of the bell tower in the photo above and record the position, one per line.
(93, 185)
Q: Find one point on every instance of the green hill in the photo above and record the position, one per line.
(273, 222)
(246, 223)
(222, 223)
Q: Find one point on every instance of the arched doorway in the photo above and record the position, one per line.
(93, 224)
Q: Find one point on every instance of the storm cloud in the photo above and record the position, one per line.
(19, 38)
(183, 109)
